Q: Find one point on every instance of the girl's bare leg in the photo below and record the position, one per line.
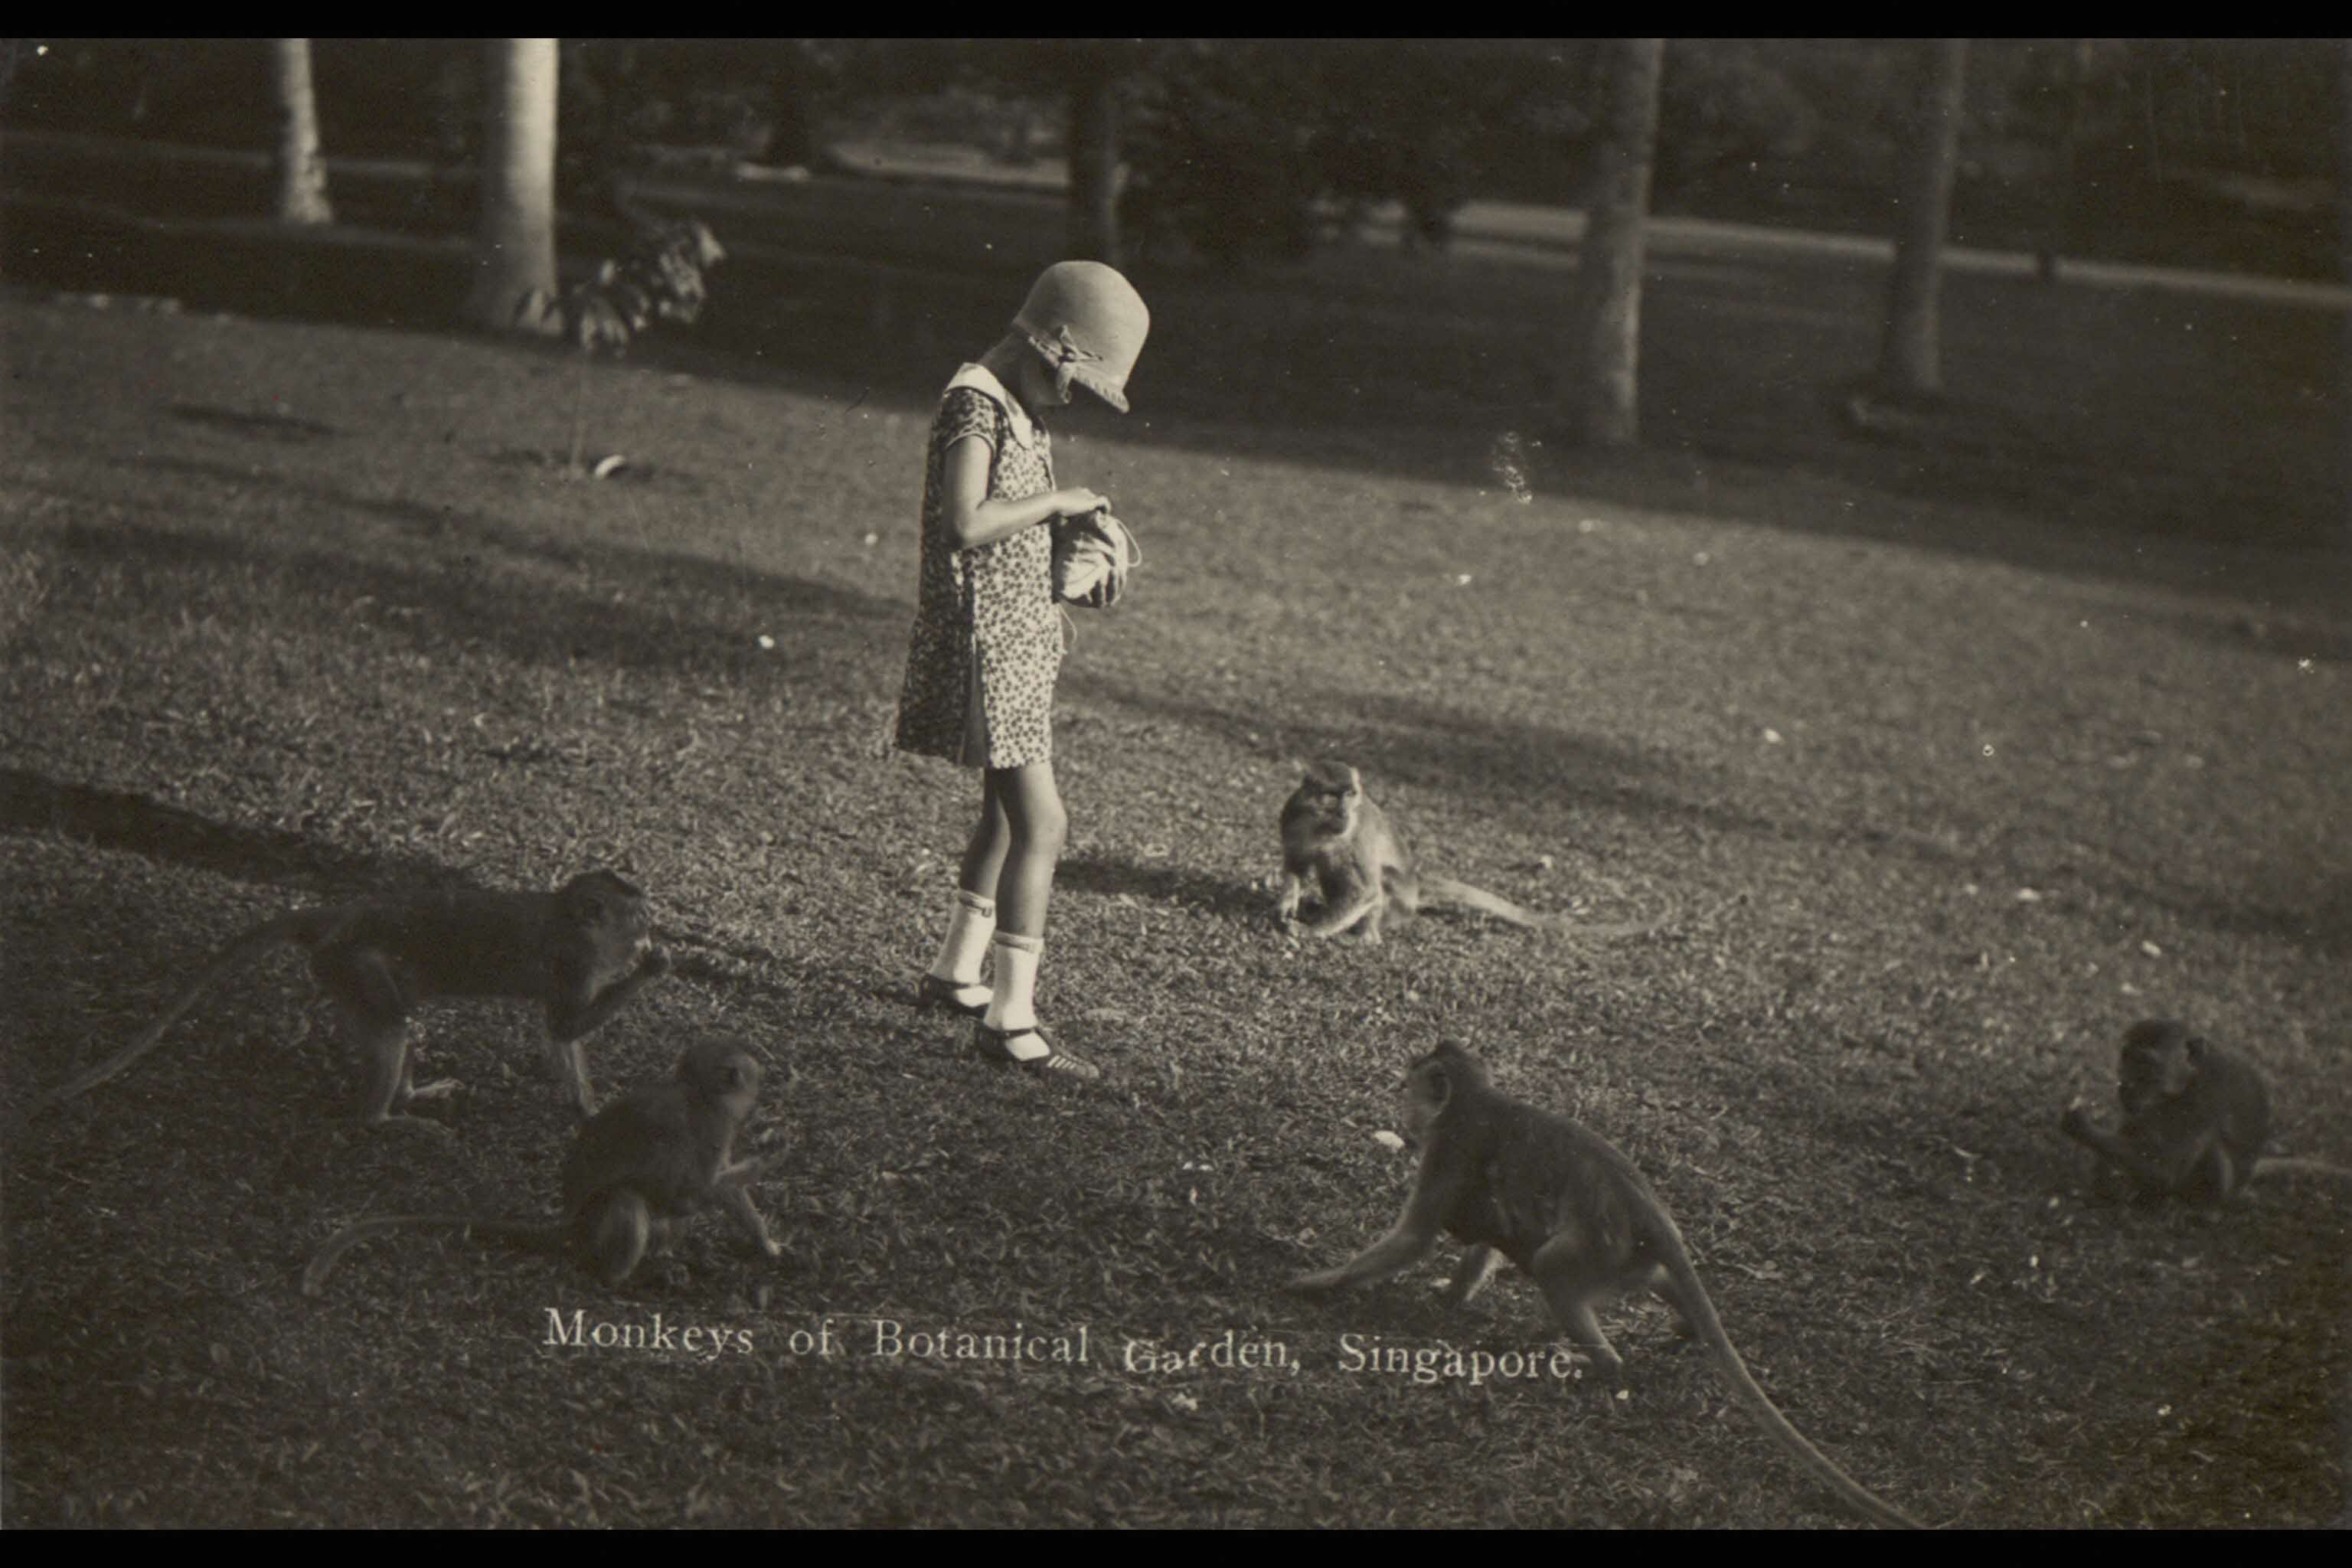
(1036, 826)
(991, 836)
(1033, 809)
(953, 980)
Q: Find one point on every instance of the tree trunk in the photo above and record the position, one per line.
(301, 171)
(1093, 146)
(2070, 137)
(1910, 360)
(789, 84)
(516, 243)
(1605, 308)
(2344, 240)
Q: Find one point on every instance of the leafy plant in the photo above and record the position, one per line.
(660, 280)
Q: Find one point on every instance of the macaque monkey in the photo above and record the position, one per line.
(1572, 1211)
(1333, 832)
(635, 1168)
(581, 951)
(2195, 1118)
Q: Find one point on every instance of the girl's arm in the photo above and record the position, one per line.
(973, 520)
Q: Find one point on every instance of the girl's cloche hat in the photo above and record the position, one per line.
(1089, 323)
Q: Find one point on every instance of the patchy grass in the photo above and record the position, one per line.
(295, 612)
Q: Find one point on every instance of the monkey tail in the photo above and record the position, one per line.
(1447, 891)
(1693, 1298)
(1462, 895)
(2296, 1164)
(308, 927)
(537, 1234)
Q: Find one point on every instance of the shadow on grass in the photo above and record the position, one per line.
(286, 427)
(1528, 773)
(1159, 884)
(1524, 770)
(2091, 423)
(124, 822)
(2322, 925)
(656, 620)
(2302, 638)
(116, 820)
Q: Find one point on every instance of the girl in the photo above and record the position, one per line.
(987, 641)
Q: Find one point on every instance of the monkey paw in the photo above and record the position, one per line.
(656, 962)
(439, 1088)
(410, 1123)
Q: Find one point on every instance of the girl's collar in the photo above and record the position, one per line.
(983, 380)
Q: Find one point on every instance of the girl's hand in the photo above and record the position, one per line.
(1078, 502)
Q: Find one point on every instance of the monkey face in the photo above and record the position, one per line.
(1331, 790)
(603, 901)
(1430, 1086)
(722, 1069)
(1425, 1098)
(2160, 1061)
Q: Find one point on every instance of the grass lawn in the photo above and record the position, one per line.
(1948, 753)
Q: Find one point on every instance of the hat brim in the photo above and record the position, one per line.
(1094, 383)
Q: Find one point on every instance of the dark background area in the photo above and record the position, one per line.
(2207, 151)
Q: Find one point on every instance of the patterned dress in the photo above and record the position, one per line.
(986, 643)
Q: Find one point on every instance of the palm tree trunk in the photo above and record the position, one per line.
(301, 171)
(2062, 194)
(516, 245)
(1910, 359)
(1094, 162)
(1605, 310)
(2344, 240)
(791, 83)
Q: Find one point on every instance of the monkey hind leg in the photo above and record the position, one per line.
(383, 1041)
(738, 1202)
(1686, 1319)
(567, 1060)
(1572, 1285)
(1470, 1276)
(621, 1234)
(1294, 889)
(439, 1088)
(1576, 1315)
(1340, 916)
(2216, 1178)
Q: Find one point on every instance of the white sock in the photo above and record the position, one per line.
(969, 928)
(1015, 1004)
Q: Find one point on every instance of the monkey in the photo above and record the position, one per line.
(378, 960)
(1333, 831)
(2195, 1118)
(1557, 1200)
(635, 1168)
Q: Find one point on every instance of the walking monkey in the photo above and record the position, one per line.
(1555, 1199)
(581, 951)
